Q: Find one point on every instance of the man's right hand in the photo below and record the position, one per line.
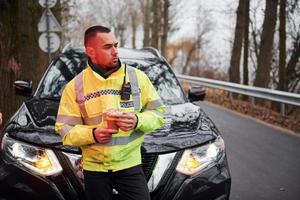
(103, 135)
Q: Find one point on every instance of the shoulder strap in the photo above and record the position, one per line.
(80, 93)
(135, 90)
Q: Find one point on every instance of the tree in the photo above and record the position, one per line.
(155, 25)
(114, 14)
(282, 45)
(264, 60)
(165, 28)
(20, 56)
(188, 53)
(135, 19)
(293, 67)
(145, 5)
(246, 44)
(255, 35)
(234, 69)
(293, 64)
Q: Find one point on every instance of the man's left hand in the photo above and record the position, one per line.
(127, 121)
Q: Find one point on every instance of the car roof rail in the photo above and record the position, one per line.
(152, 50)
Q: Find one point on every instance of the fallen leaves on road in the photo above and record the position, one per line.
(262, 111)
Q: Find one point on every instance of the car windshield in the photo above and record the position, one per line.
(67, 66)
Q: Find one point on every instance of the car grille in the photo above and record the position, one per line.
(148, 164)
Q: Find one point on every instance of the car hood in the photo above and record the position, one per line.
(186, 126)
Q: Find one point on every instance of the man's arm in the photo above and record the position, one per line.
(152, 115)
(69, 123)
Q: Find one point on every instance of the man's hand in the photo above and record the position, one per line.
(0, 118)
(103, 135)
(127, 121)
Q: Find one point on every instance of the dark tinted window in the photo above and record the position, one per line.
(60, 73)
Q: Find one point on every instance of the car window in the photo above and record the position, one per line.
(60, 73)
(66, 67)
(162, 78)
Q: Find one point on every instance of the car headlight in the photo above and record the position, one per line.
(196, 159)
(39, 160)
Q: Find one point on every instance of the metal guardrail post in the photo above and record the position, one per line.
(282, 109)
(252, 101)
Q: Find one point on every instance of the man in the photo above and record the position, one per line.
(0, 118)
(111, 156)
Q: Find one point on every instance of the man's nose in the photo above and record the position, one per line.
(114, 50)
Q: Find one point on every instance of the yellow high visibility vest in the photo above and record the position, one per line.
(84, 101)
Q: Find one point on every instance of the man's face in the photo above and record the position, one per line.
(102, 49)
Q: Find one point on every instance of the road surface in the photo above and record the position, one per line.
(264, 161)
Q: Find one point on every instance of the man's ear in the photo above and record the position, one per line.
(90, 52)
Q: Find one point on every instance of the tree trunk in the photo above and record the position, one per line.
(33, 59)
(291, 72)
(246, 44)
(20, 56)
(156, 23)
(188, 57)
(282, 46)
(264, 60)
(146, 24)
(234, 69)
(119, 32)
(9, 57)
(165, 28)
(255, 43)
(133, 26)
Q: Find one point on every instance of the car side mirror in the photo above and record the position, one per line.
(196, 93)
(23, 88)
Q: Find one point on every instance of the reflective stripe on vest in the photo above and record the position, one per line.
(78, 120)
(92, 120)
(80, 93)
(65, 129)
(154, 104)
(156, 112)
(135, 90)
(71, 120)
(122, 140)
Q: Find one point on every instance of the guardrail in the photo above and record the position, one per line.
(273, 95)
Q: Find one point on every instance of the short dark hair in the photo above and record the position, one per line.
(93, 30)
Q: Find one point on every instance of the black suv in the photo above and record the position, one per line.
(185, 159)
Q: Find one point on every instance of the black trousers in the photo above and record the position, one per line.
(130, 183)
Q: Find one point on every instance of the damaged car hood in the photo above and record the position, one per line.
(186, 126)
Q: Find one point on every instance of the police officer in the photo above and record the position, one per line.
(111, 154)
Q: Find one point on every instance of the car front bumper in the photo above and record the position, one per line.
(213, 183)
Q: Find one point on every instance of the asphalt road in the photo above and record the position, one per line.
(264, 161)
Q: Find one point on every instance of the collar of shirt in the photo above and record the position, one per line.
(105, 73)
